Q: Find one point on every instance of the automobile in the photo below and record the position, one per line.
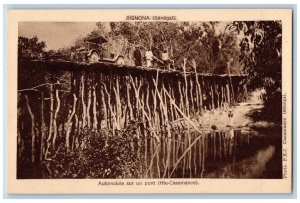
(95, 50)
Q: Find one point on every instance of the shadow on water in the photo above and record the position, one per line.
(232, 153)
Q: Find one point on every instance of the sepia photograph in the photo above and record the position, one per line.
(151, 97)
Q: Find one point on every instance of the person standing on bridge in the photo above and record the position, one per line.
(149, 57)
(137, 56)
(166, 59)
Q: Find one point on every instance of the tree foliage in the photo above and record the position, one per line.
(101, 155)
(261, 53)
(30, 47)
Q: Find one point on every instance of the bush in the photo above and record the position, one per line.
(100, 155)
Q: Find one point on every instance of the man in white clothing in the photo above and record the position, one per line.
(149, 57)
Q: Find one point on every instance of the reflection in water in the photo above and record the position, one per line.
(214, 154)
(252, 167)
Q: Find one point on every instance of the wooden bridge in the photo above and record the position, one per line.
(58, 100)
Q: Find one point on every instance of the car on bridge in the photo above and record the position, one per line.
(95, 50)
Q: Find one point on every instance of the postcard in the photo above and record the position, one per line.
(149, 101)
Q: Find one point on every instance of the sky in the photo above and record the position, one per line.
(56, 34)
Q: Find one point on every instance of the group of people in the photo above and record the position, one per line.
(165, 60)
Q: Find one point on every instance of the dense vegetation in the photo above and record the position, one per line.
(101, 155)
(31, 48)
(261, 55)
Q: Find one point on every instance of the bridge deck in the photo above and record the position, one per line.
(61, 65)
